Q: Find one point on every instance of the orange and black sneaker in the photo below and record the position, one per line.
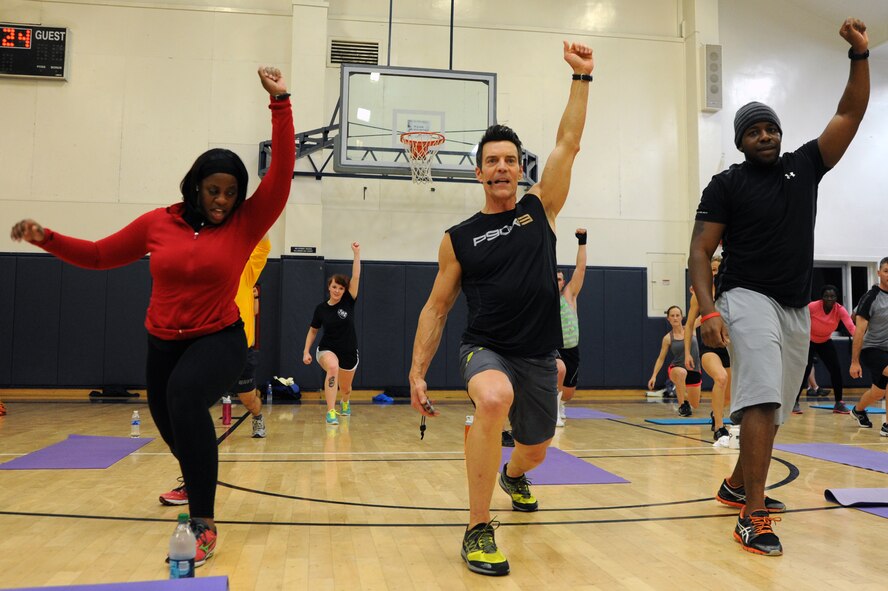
(755, 534)
(2, 409)
(735, 496)
(206, 541)
(177, 496)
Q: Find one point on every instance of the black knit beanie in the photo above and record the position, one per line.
(750, 114)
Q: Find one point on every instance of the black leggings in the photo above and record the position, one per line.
(185, 378)
(827, 353)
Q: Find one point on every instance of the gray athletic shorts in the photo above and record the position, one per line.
(769, 350)
(534, 383)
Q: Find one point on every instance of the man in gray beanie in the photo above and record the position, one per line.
(763, 212)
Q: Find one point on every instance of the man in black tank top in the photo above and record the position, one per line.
(503, 258)
(763, 211)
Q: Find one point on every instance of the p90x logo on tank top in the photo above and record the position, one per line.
(492, 235)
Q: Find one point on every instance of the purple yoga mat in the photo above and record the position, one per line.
(196, 584)
(560, 467)
(870, 500)
(576, 412)
(78, 452)
(842, 454)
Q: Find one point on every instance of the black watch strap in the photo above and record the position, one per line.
(282, 96)
(583, 77)
(857, 56)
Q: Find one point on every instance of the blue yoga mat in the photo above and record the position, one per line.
(79, 452)
(560, 467)
(872, 410)
(685, 421)
(870, 500)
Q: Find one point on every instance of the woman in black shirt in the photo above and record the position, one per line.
(337, 352)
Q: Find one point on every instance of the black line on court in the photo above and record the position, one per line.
(461, 524)
(658, 430)
(459, 459)
(231, 429)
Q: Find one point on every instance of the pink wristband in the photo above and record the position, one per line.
(708, 316)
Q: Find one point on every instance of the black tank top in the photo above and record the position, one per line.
(508, 277)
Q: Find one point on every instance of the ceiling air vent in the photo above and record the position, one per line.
(354, 52)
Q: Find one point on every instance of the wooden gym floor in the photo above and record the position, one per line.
(367, 505)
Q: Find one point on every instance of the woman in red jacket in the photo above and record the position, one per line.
(198, 248)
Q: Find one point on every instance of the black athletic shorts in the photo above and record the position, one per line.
(875, 360)
(247, 381)
(571, 359)
(722, 353)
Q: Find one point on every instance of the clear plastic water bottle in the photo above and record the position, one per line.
(135, 425)
(268, 395)
(183, 547)
(226, 410)
(469, 420)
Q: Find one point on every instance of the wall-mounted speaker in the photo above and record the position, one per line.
(712, 81)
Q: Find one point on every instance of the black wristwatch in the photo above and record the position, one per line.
(281, 96)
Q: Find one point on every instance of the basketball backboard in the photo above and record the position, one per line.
(379, 103)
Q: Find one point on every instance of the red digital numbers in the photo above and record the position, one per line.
(15, 37)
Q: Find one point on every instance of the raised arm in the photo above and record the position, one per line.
(432, 319)
(704, 241)
(842, 128)
(267, 203)
(555, 182)
(579, 275)
(356, 271)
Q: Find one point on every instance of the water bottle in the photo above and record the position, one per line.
(268, 394)
(226, 410)
(183, 547)
(136, 425)
(469, 420)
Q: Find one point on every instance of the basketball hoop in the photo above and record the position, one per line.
(421, 147)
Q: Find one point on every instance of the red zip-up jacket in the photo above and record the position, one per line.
(195, 274)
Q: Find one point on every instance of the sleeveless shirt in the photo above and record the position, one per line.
(508, 278)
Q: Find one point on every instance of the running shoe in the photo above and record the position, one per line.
(720, 432)
(562, 411)
(206, 541)
(736, 497)
(755, 534)
(177, 496)
(2, 409)
(480, 553)
(345, 408)
(861, 417)
(519, 490)
(685, 409)
(839, 408)
(797, 409)
(883, 432)
(331, 417)
(258, 427)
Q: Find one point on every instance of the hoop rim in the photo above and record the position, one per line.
(426, 138)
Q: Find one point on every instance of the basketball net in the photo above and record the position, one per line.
(420, 148)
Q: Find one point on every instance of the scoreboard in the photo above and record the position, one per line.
(33, 51)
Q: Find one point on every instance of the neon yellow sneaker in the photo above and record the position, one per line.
(480, 553)
(331, 417)
(345, 408)
(519, 490)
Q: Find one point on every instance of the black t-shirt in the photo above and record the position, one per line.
(769, 213)
(508, 277)
(339, 325)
